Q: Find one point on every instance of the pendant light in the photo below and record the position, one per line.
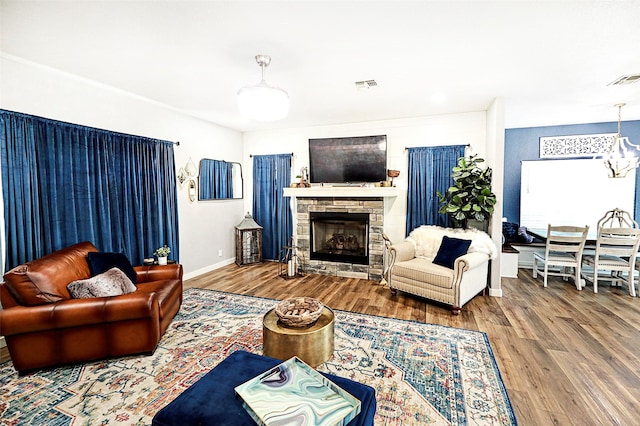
(623, 156)
(262, 102)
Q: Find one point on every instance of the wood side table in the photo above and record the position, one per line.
(155, 262)
(312, 344)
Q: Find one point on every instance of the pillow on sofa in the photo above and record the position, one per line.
(451, 249)
(101, 262)
(114, 282)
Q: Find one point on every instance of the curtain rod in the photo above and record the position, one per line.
(251, 155)
(406, 148)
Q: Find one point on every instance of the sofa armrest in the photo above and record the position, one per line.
(401, 252)
(469, 261)
(150, 273)
(78, 312)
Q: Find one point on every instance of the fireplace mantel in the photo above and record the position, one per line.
(340, 192)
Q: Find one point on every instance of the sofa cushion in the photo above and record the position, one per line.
(421, 270)
(114, 282)
(45, 280)
(100, 262)
(451, 249)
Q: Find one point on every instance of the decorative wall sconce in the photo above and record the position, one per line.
(189, 171)
(188, 174)
(192, 190)
(182, 175)
(191, 168)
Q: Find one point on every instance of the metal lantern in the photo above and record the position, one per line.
(248, 242)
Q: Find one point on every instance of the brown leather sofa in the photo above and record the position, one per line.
(44, 326)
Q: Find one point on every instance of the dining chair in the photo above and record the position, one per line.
(562, 256)
(615, 255)
(617, 218)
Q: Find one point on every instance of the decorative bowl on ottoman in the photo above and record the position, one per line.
(299, 311)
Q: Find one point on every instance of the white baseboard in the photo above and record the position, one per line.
(495, 292)
(210, 268)
(2, 342)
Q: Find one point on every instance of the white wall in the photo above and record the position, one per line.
(205, 226)
(454, 129)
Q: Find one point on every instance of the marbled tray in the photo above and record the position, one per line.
(294, 393)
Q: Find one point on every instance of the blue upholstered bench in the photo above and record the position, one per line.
(212, 401)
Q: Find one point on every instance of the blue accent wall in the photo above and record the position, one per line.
(524, 144)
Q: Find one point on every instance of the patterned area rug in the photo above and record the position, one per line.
(422, 373)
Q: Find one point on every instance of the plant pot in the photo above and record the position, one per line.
(480, 226)
(162, 260)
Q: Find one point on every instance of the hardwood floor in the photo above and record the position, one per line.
(566, 357)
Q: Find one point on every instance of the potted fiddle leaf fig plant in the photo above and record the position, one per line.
(470, 199)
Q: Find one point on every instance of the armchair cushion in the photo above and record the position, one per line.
(420, 270)
(450, 249)
(114, 282)
(100, 262)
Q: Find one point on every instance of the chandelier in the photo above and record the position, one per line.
(262, 102)
(623, 156)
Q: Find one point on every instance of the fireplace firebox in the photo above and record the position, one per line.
(339, 237)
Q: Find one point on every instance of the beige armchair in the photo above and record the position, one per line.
(412, 269)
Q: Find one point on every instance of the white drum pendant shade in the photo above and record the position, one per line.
(263, 102)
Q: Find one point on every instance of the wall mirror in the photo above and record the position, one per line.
(192, 190)
(219, 180)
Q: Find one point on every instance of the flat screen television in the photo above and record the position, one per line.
(348, 160)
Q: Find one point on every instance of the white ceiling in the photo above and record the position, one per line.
(552, 61)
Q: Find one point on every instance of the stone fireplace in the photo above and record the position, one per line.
(339, 237)
(338, 231)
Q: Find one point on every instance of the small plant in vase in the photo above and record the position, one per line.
(161, 253)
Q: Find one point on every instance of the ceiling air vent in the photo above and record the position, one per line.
(625, 79)
(366, 84)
